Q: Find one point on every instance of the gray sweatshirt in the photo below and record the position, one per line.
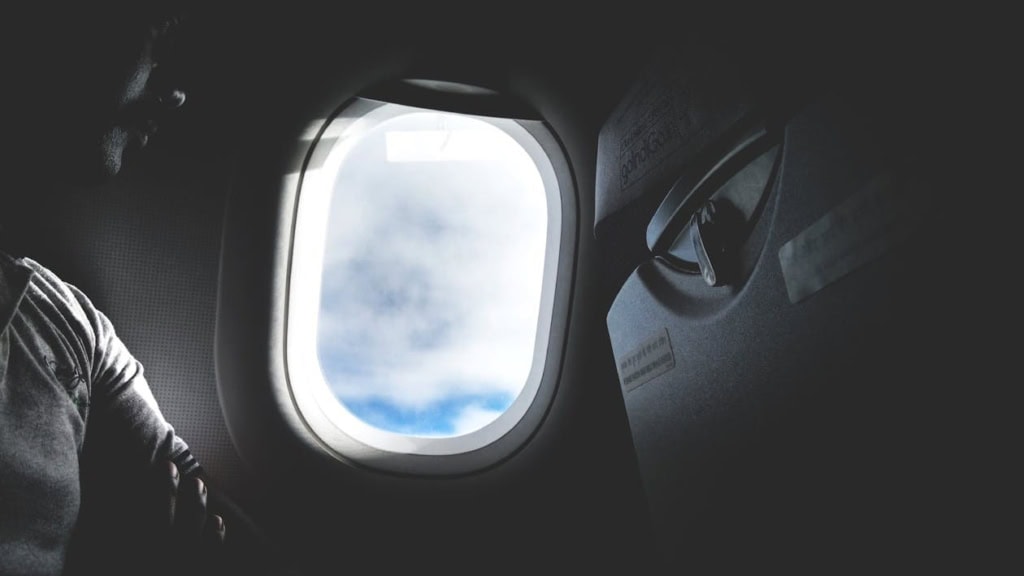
(63, 373)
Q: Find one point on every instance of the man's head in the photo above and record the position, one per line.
(87, 83)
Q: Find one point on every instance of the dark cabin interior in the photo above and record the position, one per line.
(819, 436)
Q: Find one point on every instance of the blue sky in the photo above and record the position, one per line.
(432, 274)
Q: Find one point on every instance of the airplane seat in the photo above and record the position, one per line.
(685, 107)
(777, 308)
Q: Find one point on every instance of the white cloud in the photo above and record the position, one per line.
(432, 277)
(472, 418)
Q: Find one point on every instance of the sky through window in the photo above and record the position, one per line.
(432, 274)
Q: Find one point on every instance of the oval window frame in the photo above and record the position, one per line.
(322, 416)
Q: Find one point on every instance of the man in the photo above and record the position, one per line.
(85, 87)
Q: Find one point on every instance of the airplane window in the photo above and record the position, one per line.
(421, 290)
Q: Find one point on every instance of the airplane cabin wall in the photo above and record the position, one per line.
(147, 249)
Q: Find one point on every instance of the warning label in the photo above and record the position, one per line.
(862, 228)
(651, 358)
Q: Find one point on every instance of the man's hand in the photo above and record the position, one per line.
(187, 538)
(187, 517)
(149, 522)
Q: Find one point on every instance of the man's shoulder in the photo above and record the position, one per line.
(45, 285)
(45, 278)
(14, 265)
(28, 264)
(46, 273)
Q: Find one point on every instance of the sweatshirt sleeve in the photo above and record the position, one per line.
(123, 412)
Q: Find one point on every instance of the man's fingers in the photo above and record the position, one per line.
(167, 480)
(190, 509)
(215, 531)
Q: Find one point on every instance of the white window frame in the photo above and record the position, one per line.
(338, 430)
